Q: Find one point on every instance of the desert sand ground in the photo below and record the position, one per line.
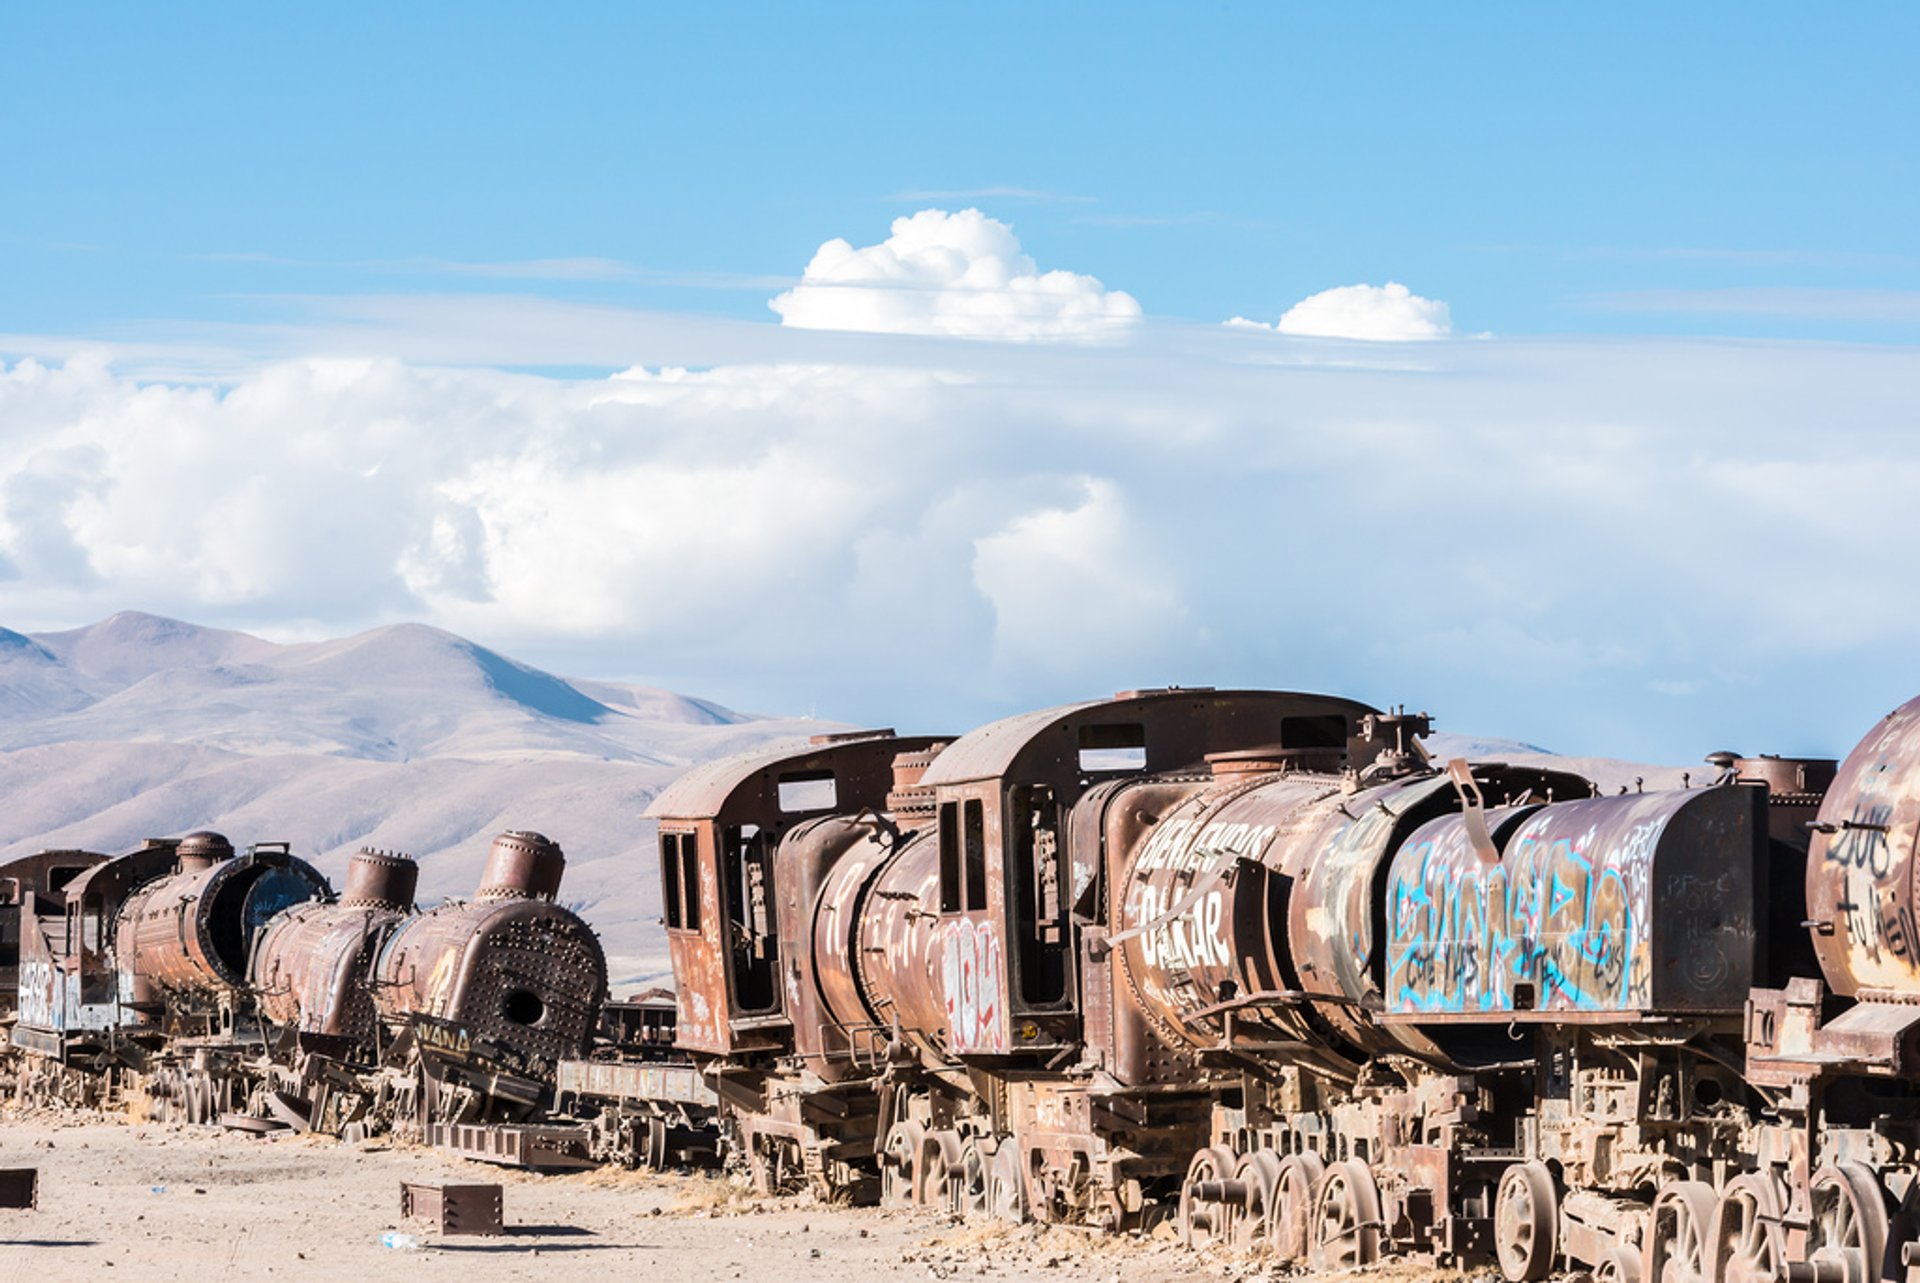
(131, 1201)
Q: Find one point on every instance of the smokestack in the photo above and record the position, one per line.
(907, 797)
(522, 866)
(201, 851)
(380, 880)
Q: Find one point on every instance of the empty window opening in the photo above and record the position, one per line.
(807, 791)
(670, 878)
(1327, 731)
(963, 856)
(680, 880)
(1120, 747)
(949, 858)
(750, 915)
(974, 833)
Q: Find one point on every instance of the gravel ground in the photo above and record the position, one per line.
(146, 1201)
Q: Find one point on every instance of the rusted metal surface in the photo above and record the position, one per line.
(1640, 903)
(380, 880)
(750, 779)
(522, 866)
(20, 1187)
(193, 931)
(537, 1147)
(1861, 866)
(516, 981)
(908, 963)
(1179, 727)
(69, 985)
(453, 1209)
(1246, 911)
(824, 978)
(634, 1080)
(312, 969)
(644, 1022)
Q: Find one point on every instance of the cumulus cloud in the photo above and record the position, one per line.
(1068, 582)
(954, 274)
(1526, 536)
(1384, 313)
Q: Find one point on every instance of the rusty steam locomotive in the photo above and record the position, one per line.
(1251, 959)
(1254, 958)
(228, 986)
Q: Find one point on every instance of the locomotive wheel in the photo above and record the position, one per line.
(940, 1165)
(199, 1100)
(1679, 1249)
(967, 1181)
(1204, 1221)
(655, 1155)
(1006, 1184)
(1252, 1222)
(1747, 1239)
(768, 1164)
(1346, 1218)
(1621, 1265)
(902, 1160)
(1293, 1205)
(1526, 1214)
(1849, 1223)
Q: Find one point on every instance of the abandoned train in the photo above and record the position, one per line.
(1248, 958)
(1253, 957)
(229, 986)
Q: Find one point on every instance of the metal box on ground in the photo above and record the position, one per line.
(453, 1209)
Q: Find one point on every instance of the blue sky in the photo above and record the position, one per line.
(1583, 404)
(1558, 169)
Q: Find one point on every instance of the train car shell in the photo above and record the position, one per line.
(192, 932)
(1863, 877)
(32, 886)
(1607, 908)
(719, 827)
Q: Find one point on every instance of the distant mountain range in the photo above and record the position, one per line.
(406, 738)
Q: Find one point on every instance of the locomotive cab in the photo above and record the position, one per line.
(720, 825)
(1019, 885)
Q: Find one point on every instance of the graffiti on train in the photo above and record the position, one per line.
(972, 970)
(1558, 924)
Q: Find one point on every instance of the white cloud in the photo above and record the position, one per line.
(1389, 312)
(1077, 585)
(1530, 534)
(950, 274)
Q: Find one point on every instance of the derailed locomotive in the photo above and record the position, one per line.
(1253, 957)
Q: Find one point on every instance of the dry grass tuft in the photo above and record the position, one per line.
(713, 1194)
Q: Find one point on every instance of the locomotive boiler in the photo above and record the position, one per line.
(312, 967)
(490, 994)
